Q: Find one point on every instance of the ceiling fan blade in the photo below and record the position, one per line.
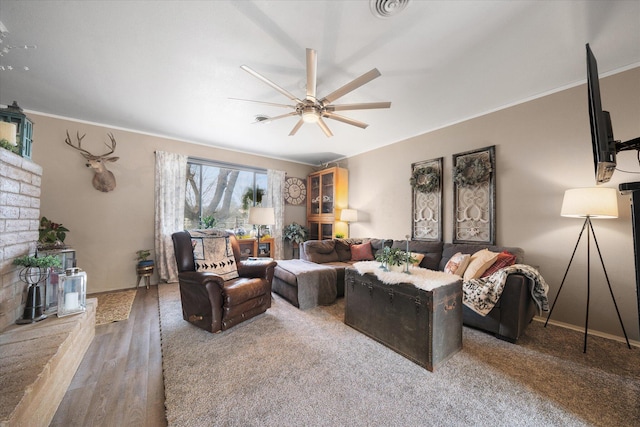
(265, 103)
(324, 127)
(361, 106)
(344, 119)
(270, 83)
(282, 116)
(312, 68)
(352, 85)
(296, 127)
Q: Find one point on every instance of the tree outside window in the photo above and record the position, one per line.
(220, 196)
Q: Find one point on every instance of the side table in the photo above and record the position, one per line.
(144, 271)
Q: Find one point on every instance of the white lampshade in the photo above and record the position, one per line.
(596, 202)
(261, 216)
(8, 131)
(349, 215)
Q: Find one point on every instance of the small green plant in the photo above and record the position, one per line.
(51, 233)
(394, 256)
(143, 254)
(40, 262)
(208, 221)
(247, 198)
(339, 235)
(9, 146)
(295, 233)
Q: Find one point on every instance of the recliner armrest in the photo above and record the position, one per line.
(257, 268)
(199, 278)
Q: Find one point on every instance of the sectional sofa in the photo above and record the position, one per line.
(507, 320)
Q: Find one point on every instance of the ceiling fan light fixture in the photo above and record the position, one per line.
(310, 115)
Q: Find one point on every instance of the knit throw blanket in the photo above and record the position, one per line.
(481, 295)
(212, 253)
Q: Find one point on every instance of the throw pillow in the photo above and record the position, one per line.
(212, 253)
(505, 259)
(361, 252)
(479, 263)
(418, 256)
(457, 264)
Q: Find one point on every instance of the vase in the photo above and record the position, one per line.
(397, 268)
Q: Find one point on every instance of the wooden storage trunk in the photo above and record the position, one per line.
(423, 326)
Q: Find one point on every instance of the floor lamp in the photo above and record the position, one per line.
(261, 216)
(589, 203)
(349, 216)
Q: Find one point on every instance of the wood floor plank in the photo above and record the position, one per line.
(119, 381)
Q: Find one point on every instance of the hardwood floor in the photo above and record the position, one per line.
(119, 381)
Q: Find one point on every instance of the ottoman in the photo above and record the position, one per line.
(305, 284)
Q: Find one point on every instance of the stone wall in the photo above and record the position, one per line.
(20, 181)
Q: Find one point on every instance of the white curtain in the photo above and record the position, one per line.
(275, 199)
(170, 187)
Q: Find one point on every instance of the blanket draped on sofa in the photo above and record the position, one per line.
(481, 295)
(316, 283)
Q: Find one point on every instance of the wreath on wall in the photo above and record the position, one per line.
(425, 180)
(471, 171)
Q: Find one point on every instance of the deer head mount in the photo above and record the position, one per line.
(103, 179)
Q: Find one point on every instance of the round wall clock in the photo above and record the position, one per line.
(295, 191)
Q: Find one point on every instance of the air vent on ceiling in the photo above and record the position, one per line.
(387, 8)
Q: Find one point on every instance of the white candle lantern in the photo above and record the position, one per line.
(72, 292)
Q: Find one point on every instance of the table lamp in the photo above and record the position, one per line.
(349, 216)
(261, 216)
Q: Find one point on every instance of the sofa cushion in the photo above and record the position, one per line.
(321, 251)
(343, 249)
(505, 259)
(432, 251)
(478, 264)
(361, 252)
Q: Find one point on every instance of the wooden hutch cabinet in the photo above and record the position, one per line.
(327, 195)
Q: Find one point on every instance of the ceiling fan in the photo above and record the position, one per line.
(313, 110)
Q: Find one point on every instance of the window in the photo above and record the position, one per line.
(220, 195)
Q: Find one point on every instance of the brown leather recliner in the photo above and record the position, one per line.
(213, 304)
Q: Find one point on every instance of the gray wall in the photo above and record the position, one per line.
(108, 228)
(543, 147)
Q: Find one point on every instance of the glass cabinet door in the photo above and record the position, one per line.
(327, 230)
(327, 193)
(314, 189)
(314, 230)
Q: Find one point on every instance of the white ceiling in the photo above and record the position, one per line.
(169, 67)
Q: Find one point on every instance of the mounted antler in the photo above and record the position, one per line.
(103, 179)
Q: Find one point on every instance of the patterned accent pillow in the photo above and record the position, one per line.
(457, 264)
(479, 263)
(362, 252)
(212, 253)
(505, 259)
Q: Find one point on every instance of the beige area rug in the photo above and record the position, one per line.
(114, 306)
(289, 367)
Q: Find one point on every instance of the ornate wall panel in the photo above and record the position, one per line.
(426, 182)
(474, 188)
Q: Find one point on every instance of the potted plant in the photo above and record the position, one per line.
(35, 270)
(296, 234)
(51, 234)
(394, 259)
(142, 255)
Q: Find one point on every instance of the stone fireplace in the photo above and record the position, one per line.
(20, 181)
